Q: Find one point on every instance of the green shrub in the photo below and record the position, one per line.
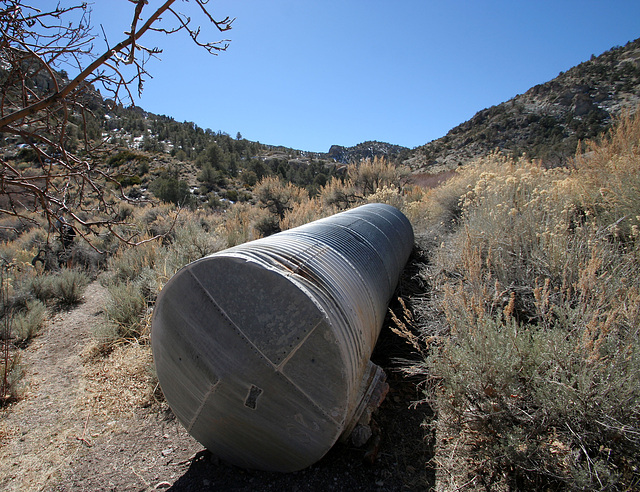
(129, 262)
(168, 188)
(29, 322)
(43, 287)
(128, 179)
(69, 286)
(126, 310)
(125, 156)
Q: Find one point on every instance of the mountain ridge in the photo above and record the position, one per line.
(549, 120)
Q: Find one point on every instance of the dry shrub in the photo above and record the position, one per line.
(540, 286)
(129, 262)
(278, 197)
(370, 175)
(42, 287)
(240, 224)
(191, 241)
(126, 310)
(441, 208)
(157, 220)
(11, 374)
(69, 286)
(338, 194)
(607, 182)
(520, 218)
(304, 212)
(391, 195)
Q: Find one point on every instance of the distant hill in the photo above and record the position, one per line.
(548, 120)
(367, 150)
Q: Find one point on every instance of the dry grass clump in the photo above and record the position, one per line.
(539, 282)
(11, 374)
(69, 286)
(126, 309)
(116, 385)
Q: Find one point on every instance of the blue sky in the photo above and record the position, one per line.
(309, 74)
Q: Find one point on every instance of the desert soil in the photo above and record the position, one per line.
(89, 421)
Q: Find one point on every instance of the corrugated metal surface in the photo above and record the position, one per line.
(261, 349)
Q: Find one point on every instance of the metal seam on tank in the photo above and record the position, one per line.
(272, 254)
(280, 375)
(362, 260)
(262, 252)
(211, 390)
(348, 328)
(295, 349)
(335, 293)
(336, 318)
(329, 301)
(363, 284)
(243, 337)
(347, 336)
(285, 261)
(335, 311)
(329, 283)
(266, 359)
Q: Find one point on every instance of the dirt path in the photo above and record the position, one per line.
(92, 424)
(47, 419)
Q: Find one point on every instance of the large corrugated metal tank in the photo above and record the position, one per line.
(262, 350)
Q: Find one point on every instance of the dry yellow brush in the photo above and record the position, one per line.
(172, 238)
(539, 281)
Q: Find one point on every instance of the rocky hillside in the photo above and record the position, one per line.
(547, 121)
(367, 150)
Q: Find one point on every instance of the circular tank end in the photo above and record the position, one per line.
(249, 364)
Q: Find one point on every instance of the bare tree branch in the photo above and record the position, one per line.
(41, 107)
